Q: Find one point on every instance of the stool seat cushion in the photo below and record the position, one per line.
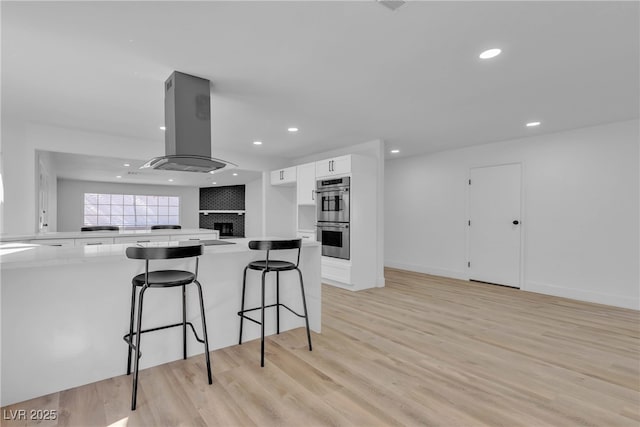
(166, 278)
(274, 265)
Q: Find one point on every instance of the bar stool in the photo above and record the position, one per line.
(100, 228)
(163, 279)
(166, 227)
(268, 266)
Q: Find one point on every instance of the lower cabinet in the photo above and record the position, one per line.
(306, 235)
(338, 271)
(141, 239)
(208, 236)
(54, 242)
(94, 241)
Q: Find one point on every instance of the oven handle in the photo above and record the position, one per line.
(339, 226)
(333, 190)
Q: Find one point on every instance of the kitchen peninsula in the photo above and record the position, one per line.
(65, 309)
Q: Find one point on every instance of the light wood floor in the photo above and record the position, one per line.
(424, 350)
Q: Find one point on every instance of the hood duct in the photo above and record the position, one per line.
(187, 118)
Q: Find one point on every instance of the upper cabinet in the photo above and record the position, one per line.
(335, 166)
(285, 176)
(306, 177)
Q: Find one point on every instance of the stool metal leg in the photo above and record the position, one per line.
(204, 331)
(137, 360)
(131, 318)
(264, 273)
(304, 304)
(244, 285)
(184, 322)
(277, 302)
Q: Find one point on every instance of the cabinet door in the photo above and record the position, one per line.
(141, 239)
(306, 184)
(335, 166)
(309, 236)
(283, 176)
(214, 235)
(341, 165)
(54, 242)
(90, 241)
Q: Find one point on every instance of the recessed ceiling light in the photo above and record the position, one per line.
(163, 128)
(293, 129)
(533, 124)
(126, 165)
(170, 180)
(395, 151)
(490, 53)
(118, 176)
(235, 174)
(214, 183)
(257, 142)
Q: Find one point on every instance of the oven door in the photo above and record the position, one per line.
(333, 205)
(335, 240)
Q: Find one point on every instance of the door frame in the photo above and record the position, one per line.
(523, 219)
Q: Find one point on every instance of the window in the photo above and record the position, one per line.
(130, 211)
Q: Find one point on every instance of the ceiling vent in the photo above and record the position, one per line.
(391, 4)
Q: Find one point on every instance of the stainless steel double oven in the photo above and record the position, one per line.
(333, 215)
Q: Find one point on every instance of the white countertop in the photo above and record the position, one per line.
(91, 234)
(24, 255)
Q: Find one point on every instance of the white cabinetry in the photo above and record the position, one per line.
(285, 176)
(94, 241)
(335, 166)
(54, 242)
(141, 239)
(309, 236)
(306, 184)
(207, 236)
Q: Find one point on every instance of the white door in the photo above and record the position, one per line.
(494, 224)
(43, 200)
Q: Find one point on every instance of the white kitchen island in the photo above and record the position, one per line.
(66, 309)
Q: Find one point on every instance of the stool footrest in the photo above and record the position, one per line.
(128, 338)
(241, 313)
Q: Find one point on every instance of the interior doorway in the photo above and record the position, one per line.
(495, 228)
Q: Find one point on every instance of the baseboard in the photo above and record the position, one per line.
(540, 288)
(427, 270)
(381, 282)
(582, 295)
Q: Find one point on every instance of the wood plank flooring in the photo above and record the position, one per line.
(423, 351)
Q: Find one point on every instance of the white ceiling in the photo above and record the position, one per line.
(343, 72)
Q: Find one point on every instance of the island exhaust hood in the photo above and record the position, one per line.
(187, 118)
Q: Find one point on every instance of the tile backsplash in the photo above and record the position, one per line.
(223, 198)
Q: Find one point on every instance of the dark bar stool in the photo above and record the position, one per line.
(267, 266)
(166, 227)
(163, 279)
(100, 228)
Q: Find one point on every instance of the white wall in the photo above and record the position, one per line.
(253, 209)
(580, 220)
(71, 200)
(20, 141)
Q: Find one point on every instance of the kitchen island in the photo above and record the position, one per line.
(66, 309)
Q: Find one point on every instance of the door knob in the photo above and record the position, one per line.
(516, 222)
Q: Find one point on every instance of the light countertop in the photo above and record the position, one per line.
(93, 234)
(25, 255)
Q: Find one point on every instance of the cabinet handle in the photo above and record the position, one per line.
(313, 195)
(94, 243)
(143, 241)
